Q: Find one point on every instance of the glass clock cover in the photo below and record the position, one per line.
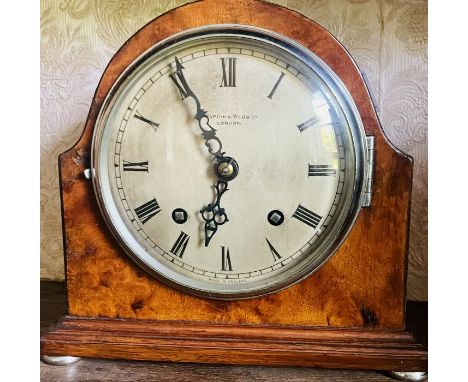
(228, 162)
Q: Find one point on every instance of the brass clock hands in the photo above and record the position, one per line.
(226, 168)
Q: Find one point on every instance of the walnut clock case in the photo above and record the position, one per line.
(234, 200)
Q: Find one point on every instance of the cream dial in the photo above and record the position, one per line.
(228, 164)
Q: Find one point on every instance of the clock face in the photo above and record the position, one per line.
(228, 162)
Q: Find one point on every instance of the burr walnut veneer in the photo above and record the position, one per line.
(350, 313)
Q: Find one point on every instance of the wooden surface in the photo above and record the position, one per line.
(53, 306)
(125, 371)
(363, 285)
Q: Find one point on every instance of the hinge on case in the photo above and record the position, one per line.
(369, 172)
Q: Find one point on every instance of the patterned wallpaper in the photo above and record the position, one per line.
(387, 38)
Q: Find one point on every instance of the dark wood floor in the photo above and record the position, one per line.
(53, 306)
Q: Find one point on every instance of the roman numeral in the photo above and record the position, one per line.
(136, 166)
(154, 125)
(306, 216)
(225, 259)
(321, 170)
(305, 125)
(276, 85)
(229, 72)
(179, 246)
(274, 252)
(146, 211)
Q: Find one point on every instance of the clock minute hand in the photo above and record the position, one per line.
(212, 142)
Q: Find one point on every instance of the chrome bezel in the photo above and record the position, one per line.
(295, 273)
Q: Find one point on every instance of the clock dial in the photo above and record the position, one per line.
(228, 163)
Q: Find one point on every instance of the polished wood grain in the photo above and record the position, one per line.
(53, 305)
(234, 344)
(362, 286)
(176, 341)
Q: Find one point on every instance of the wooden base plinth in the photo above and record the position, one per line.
(243, 345)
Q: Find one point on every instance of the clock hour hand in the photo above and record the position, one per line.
(213, 214)
(226, 169)
(212, 142)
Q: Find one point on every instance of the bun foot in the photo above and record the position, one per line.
(408, 375)
(59, 360)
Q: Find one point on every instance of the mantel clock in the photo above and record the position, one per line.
(233, 199)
